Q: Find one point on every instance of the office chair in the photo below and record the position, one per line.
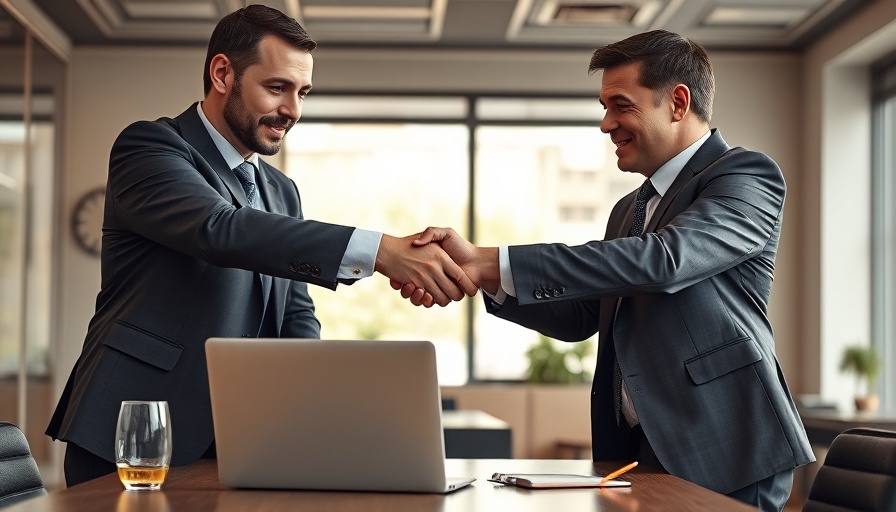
(858, 474)
(19, 477)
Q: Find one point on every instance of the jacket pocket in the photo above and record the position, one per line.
(142, 345)
(722, 360)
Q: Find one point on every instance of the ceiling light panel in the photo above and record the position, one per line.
(373, 20)
(756, 16)
(169, 10)
(582, 20)
(332, 12)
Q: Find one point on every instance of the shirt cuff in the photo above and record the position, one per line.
(360, 255)
(507, 286)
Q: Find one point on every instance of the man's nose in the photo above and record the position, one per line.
(291, 109)
(608, 123)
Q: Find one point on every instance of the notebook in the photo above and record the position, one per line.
(328, 415)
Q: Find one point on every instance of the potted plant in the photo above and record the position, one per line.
(550, 365)
(865, 363)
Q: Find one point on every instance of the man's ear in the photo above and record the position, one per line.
(681, 101)
(221, 73)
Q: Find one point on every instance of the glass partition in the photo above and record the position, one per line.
(31, 94)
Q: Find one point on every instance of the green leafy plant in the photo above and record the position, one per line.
(864, 362)
(549, 365)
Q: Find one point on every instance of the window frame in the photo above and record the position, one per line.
(883, 235)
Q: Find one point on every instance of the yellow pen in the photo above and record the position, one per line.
(618, 472)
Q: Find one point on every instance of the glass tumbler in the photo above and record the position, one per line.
(143, 444)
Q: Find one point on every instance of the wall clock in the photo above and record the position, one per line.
(87, 221)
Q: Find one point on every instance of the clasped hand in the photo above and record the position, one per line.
(455, 267)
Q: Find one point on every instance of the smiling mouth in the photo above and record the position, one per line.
(278, 128)
(620, 143)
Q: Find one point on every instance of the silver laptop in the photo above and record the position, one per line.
(328, 415)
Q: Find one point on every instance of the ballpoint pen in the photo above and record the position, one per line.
(504, 479)
(618, 472)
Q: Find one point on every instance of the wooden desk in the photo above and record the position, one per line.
(471, 434)
(195, 488)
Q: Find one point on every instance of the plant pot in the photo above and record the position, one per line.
(867, 403)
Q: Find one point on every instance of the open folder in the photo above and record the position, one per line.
(554, 481)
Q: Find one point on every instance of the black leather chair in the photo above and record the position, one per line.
(858, 474)
(19, 478)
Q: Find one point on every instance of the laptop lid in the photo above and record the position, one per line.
(329, 415)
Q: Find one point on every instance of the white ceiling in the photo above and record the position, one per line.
(721, 24)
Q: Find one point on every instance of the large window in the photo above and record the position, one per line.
(398, 179)
(884, 199)
(501, 171)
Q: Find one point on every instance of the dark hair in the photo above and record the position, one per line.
(667, 59)
(237, 36)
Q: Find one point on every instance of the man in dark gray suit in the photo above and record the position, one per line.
(201, 238)
(678, 289)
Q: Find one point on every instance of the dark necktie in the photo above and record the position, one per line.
(245, 172)
(644, 194)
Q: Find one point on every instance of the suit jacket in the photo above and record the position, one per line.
(691, 331)
(180, 261)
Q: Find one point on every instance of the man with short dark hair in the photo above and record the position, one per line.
(687, 378)
(201, 238)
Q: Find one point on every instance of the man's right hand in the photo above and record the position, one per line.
(480, 264)
(428, 267)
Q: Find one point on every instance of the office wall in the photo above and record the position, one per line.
(757, 106)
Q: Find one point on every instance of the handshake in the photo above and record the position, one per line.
(437, 266)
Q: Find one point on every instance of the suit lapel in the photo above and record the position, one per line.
(194, 132)
(711, 150)
(269, 188)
